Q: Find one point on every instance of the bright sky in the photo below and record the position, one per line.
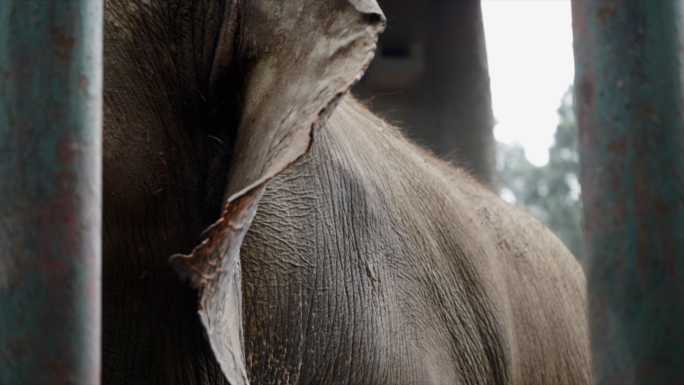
(529, 47)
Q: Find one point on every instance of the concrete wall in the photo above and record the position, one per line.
(430, 74)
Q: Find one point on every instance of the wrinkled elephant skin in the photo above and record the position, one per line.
(335, 250)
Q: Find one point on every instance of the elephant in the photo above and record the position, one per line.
(335, 250)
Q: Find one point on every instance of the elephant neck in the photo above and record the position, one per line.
(156, 58)
(151, 331)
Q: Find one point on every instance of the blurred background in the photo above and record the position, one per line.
(487, 86)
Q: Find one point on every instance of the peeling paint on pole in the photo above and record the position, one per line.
(628, 89)
(50, 191)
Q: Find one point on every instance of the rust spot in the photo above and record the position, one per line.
(586, 92)
(605, 13)
(617, 147)
(64, 44)
(83, 83)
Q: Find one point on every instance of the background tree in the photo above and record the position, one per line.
(551, 192)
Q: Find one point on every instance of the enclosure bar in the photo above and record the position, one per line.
(628, 92)
(50, 191)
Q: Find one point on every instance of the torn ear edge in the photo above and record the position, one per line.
(204, 262)
(302, 65)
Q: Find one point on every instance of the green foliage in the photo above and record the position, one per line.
(551, 192)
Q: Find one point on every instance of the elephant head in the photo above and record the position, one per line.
(205, 102)
(363, 259)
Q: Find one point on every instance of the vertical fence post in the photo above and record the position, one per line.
(628, 91)
(50, 191)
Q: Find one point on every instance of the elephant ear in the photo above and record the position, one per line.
(300, 58)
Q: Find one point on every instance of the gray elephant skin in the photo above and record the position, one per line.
(336, 251)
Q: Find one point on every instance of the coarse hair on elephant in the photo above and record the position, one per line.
(336, 251)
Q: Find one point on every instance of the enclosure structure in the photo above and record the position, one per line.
(629, 101)
(629, 106)
(50, 191)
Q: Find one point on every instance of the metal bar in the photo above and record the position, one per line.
(628, 91)
(50, 191)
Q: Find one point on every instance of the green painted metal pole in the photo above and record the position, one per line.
(50, 191)
(628, 91)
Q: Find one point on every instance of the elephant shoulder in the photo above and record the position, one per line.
(460, 265)
(521, 275)
(544, 286)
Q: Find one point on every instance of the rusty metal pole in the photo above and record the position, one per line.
(628, 90)
(50, 191)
